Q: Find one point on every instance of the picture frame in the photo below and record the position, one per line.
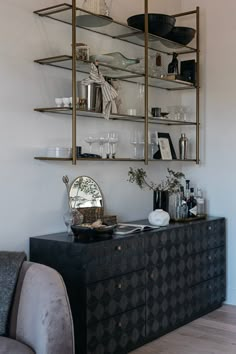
(157, 155)
(164, 146)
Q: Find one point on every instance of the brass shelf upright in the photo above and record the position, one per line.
(74, 82)
(146, 82)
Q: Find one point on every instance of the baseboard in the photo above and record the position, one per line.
(231, 297)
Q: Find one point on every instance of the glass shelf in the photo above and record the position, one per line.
(65, 62)
(106, 26)
(108, 160)
(123, 117)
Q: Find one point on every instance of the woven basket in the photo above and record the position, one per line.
(94, 213)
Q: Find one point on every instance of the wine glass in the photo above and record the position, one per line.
(112, 141)
(90, 140)
(102, 140)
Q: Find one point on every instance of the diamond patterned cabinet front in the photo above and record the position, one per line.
(129, 290)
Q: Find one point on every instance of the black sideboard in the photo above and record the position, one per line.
(129, 290)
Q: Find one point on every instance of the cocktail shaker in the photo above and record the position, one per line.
(183, 147)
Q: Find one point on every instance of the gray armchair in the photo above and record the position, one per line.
(40, 320)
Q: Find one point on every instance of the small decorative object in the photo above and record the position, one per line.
(82, 51)
(173, 67)
(183, 147)
(159, 217)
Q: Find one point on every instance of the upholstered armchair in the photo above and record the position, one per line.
(40, 320)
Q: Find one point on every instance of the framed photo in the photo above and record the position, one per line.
(165, 148)
(158, 154)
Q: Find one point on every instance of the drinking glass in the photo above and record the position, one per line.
(137, 140)
(102, 140)
(90, 140)
(112, 141)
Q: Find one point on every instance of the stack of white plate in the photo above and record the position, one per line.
(63, 152)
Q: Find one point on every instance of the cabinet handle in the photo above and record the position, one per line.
(120, 325)
(119, 286)
(209, 258)
(209, 228)
(119, 248)
(151, 276)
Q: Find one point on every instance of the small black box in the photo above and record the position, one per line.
(188, 70)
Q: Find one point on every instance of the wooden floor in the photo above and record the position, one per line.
(214, 333)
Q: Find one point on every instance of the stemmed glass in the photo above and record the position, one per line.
(90, 140)
(112, 141)
(102, 140)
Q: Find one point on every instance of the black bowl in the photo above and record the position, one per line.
(88, 233)
(182, 35)
(158, 24)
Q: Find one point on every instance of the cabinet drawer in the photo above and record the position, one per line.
(114, 258)
(118, 334)
(170, 277)
(209, 294)
(164, 322)
(117, 295)
(158, 306)
(208, 234)
(208, 264)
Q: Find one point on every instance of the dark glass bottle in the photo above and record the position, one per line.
(192, 204)
(173, 67)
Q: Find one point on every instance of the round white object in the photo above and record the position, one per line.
(159, 217)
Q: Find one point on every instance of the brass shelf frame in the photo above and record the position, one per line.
(133, 36)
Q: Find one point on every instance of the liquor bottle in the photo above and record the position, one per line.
(192, 204)
(200, 203)
(187, 190)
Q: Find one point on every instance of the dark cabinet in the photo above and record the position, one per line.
(129, 290)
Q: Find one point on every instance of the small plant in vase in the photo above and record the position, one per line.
(161, 191)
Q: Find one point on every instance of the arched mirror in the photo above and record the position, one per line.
(85, 193)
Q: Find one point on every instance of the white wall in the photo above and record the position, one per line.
(218, 111)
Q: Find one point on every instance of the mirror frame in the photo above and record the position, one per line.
(99, 189)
